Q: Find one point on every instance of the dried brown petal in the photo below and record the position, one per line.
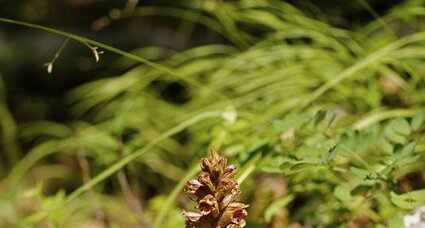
(196, 189)
(229, 198)
(236, 206)
(239, 217)
(205, 179)
(195, 220)
(235, 213)
(216, 172)
(229, 171)
(226, 187)
(222, 162)
(218, 160)
(209, 205)
(214, 155)
(233, 226)
(203, 223)
(214, 165)
(191, 216)
(192, 186)
(206, 165)
(226, 184)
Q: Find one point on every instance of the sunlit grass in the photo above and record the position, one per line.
(258, 100)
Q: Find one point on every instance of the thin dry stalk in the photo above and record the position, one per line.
(131, 200)
(85, 170)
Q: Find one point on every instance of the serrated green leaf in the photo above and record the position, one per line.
(404, 155)
(394, 136)
(302, 167)
(400, 126)
(408, 149)
(292, 122)
(408, 200)
(386, 146)
(368, 178)
(418, 120)
(332, 153)
(343, 194)
(368, 139)
(361, 190)
(286, 166)
(310, 153)
(359, 172)
(270, 169)
(408, 160)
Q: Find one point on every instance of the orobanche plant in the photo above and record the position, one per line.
(216, 193)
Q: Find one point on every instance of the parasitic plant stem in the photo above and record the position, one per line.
(216, 192)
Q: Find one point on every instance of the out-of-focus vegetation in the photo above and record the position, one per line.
(320, 108)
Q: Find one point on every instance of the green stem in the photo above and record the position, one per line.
(371, 59)
(86, 41)
(159, 220)
(383, 115)
(131, 157)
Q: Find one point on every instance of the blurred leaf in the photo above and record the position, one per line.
(394, 135)
(386, 146)
(400, 126)
(409, 200)
(45, 127)
(292, 122)
(368, 178)
(343, 194)
(395, 222)
(319, 116)
(275, 206)
(418, 120)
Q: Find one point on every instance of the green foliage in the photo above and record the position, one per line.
(332, 116)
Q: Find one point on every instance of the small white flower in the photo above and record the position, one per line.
(96, 53)
(230, 116)
(49, 66)
(416, 220)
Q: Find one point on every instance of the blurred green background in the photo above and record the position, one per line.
(320, 104)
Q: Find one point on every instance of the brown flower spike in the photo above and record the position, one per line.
(216, 191)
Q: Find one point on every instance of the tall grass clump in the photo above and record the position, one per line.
(325, 124)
